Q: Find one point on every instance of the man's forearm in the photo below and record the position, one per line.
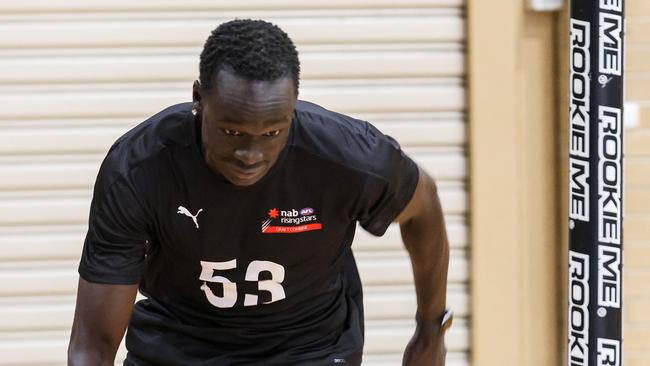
(101, 317)
(425, 238)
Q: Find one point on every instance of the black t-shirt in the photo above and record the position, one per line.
(252, 275)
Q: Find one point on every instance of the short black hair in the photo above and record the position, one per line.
(251, 49)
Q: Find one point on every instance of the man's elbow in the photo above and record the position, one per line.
(85, 353)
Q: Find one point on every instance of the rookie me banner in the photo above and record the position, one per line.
(595, 183)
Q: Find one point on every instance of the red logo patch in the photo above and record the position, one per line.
(291, 221)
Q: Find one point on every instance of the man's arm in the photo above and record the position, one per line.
(423, 232)
(101, 316)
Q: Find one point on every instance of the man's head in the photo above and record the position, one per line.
(244, 98)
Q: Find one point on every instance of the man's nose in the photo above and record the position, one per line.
(249, 155)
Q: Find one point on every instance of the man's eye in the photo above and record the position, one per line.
(230, 132)
(272, 133)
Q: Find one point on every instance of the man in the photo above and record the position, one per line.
(234, 215)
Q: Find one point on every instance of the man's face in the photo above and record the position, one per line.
(244, 125)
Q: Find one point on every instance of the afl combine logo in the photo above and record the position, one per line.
(292, 220)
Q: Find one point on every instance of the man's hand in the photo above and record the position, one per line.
(426, 347)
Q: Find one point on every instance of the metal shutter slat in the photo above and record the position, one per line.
(55, 312)
(74, 210)
(97, 139)
(43, 242)
(383, 337)
(60, 277)
(316, 65)
(184, 32)
(173, 5)
(119, 103)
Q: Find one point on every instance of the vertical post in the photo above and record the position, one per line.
(595, 183)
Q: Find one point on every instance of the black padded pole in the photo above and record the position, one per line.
(595, 291)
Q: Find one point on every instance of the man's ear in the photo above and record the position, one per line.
(196, 97)
(196, 91)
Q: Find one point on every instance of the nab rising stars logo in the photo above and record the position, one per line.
(291, 221)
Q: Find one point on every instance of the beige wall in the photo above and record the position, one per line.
(518, 142)
(636, 234)
(513, 169)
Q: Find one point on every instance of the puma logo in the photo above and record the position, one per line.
(183, 211)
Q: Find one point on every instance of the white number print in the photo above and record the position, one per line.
(229, 297)
(273, 285)
(253, 271)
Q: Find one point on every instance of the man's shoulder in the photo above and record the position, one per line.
(148, 139)
(328, 123)
(166, 127)
(339, 138)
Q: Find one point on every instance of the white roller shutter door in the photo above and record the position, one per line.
(76, 74)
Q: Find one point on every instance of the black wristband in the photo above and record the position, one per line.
(441, 324)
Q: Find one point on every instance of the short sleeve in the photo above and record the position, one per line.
(390, 183)
(114, 248)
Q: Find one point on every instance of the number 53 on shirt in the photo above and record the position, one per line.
(253, 271)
